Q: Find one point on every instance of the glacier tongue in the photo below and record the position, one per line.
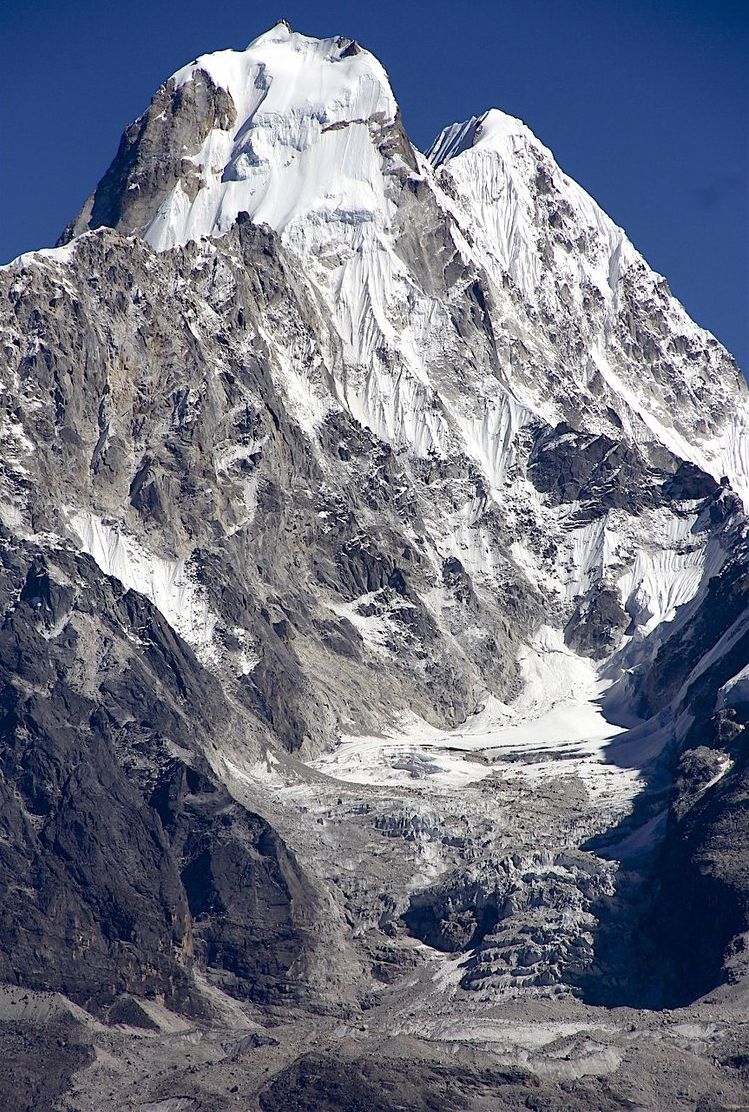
(555, 729)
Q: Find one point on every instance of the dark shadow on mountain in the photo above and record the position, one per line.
(627, 969)
(667, 935)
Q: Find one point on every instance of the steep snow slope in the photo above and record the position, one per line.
(301, 145)
(562, 252)
(484, 315)
(481, 300)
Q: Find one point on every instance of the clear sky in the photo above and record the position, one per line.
(644, 102)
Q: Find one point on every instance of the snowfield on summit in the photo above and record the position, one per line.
(374, 581)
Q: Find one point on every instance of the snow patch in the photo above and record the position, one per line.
(167, 583)
(555, 728)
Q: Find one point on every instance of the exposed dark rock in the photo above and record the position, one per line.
(594, 471)
(129, 1011)
(689, 482)
(694, 921)
(451, 928)
(325, 1084)
(151, 156)
(178, 874)
(262, 491)
(727, 599)
(597, 623)
(38, 1061)
(252, 907)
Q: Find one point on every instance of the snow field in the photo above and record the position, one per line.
(555, 728)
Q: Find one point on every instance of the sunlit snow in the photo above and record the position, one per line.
(555, 728)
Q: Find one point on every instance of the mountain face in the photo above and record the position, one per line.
(375, 630)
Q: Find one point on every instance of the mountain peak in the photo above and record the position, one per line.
(287, 126)
(304, 135)
(280, 30)
(288, 56)
(363, 539)
(492, 130)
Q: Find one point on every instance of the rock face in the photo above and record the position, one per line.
(124, 859)
(704, 865)
(373, 590)
(150, 160)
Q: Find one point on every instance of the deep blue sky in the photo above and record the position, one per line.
(644, 102)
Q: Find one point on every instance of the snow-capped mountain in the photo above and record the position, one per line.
(375, 554)
(305, 135)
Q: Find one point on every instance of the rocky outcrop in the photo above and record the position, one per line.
(701, 915)
(155, 155)
(205, 465)
(253, 909)
(125, 867)
(524, 922)
(597, 623)
(325, 1083)
(308, 568)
